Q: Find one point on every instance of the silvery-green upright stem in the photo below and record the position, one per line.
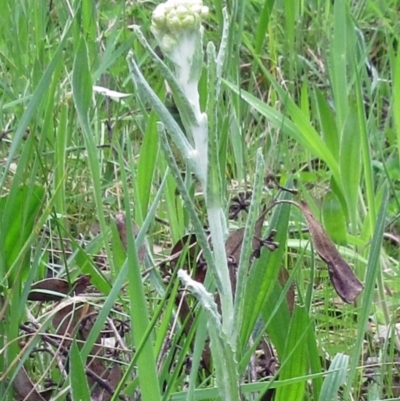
(177, 27)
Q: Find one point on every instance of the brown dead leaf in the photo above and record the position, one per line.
(233, 244)
(188, 247)
(78, 321)
(114, 377)
(233, 248)
(110, 376)
(57, 286)
(24, 387)
(346, 284)
(75, 319)
(66, 321)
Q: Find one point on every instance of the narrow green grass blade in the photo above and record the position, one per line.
(112, 54)
(338, 62)
(60, 157)
(82, 90)
(111, 298)
(174, 210)
(19, 212)
(237, 144)
(89, 17)
(262, 27)
(77, 376)
(314, 361)
(146, 362)
(290, 28)
(34, 103)
(147, 162)
(246, 389)
(396, 98)
(201, 336)
(367, 158)
(298, 128)
(372, 274)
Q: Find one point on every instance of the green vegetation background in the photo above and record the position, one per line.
(315, 84)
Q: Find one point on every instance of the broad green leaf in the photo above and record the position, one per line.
(82, 86)
(336, 377)
(89, 19)
(350, 163)
(18, 213)
(247, 242)
(295, 360)
(327, 123)
(264, 274)
(277, 316)
(334, 219)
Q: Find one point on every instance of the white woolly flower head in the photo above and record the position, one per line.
(174, 19)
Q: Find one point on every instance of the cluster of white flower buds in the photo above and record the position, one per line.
(176, 15)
